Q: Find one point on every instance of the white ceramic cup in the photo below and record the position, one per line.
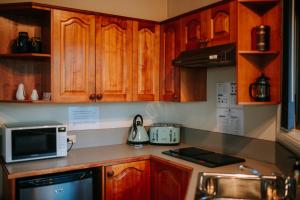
(34, 95)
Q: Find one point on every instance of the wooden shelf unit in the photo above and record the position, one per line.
(251, 63)
(31, 69)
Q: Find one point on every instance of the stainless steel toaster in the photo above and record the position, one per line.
(164, 134)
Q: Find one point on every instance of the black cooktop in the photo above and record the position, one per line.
(203, 157)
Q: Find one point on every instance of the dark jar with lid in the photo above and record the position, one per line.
(261, 38)
(22, 44)
(35, 45)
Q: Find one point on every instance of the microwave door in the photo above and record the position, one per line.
(31, 143)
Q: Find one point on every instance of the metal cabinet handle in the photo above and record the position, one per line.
(92, 96)
(110, 173)
(99, 96)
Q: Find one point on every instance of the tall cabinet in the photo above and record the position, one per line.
(146, 48)
(169, 74)
(113, 59)
(73, 56)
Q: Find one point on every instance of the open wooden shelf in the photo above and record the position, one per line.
(252, 63)
(25, 55)
(258, 53)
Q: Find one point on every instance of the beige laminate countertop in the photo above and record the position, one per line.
(106, 155)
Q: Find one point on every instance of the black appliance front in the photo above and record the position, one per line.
(203, 157)
(32, 143)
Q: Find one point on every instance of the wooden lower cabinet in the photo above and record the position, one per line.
(154, 178)
(168, 181)
(127, 181)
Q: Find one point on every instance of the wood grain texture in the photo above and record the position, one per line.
(26, 55)
(36, 24)
(8, 185)
(251, 65)
(73, 52)
(31, 73)
(223, 23)
(146, 51)
(168, 181)
(193, 82)
(114, 59)
(191, 31)
(205, 31)
(28, 69)
(169, 74)
(128, 181)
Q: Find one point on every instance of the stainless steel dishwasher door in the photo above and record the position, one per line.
(75, 190)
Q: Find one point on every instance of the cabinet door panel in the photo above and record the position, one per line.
(223, 23)
(128, 181)
(114, 59)
(169, 182)
(169, 74)
(73, 78)
(146, 61)
(191, 29)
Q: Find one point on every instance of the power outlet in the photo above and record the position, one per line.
(72, 137)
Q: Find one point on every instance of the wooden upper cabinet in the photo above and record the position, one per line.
(223, 23)
(113, 59)
(169, 74)
(128, 181)
(196, 30)
(168, 181)
(191, 28)
(73, 56)
(146, 48)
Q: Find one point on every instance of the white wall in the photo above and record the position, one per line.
(177, 7)
(260, 121)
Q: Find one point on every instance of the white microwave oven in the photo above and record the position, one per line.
(33, 140)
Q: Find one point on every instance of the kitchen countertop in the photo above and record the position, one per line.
(106, 155)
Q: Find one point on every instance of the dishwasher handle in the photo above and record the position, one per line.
(54, 179)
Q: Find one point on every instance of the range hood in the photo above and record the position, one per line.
(216, 56)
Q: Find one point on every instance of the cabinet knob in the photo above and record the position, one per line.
(99, 96)
(175, 96)
(110, 173)
(92, 96)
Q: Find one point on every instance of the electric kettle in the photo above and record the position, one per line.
(260, 89)
(138, 135)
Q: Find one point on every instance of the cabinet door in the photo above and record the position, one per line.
(114, 59)
(73, 57)
(223, 23)
(146, 47)
(168, 181)
(169, 74)
(128, 181)
(191, 29)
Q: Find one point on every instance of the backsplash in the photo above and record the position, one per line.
(260, 121)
